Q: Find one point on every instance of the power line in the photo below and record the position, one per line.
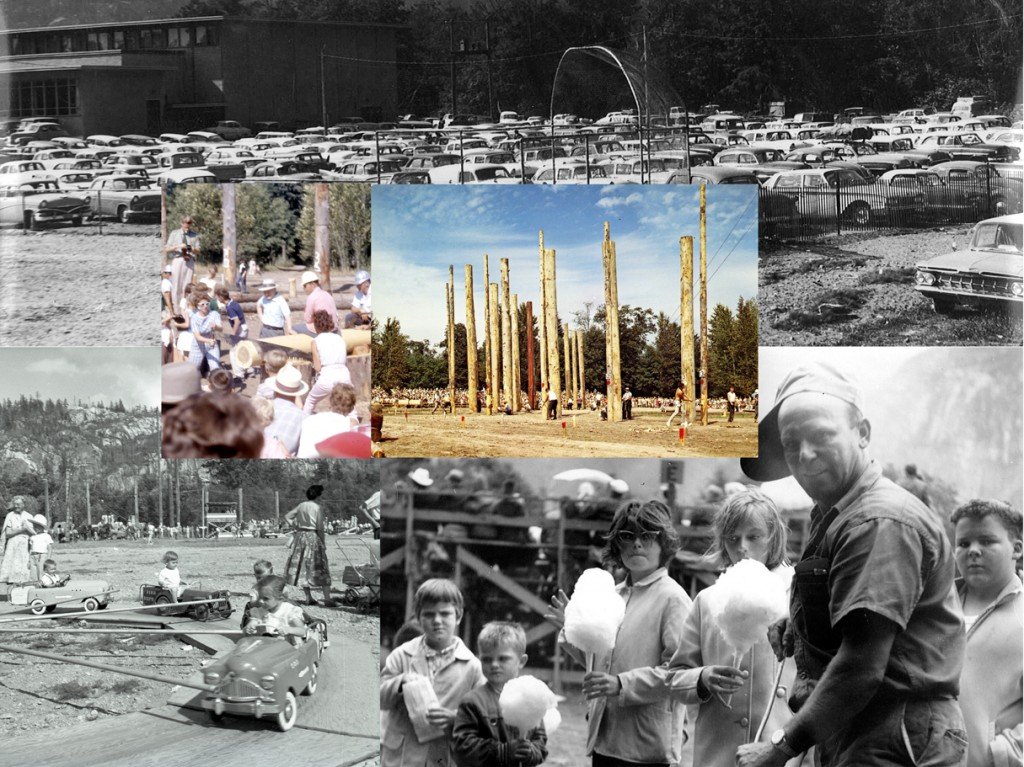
(734, 223)
(735, 244)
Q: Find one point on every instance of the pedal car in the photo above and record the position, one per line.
(263, 675)
(158, 595)
(93, 595)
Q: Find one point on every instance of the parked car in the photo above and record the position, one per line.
(230, 130)
(158, 595)
(286, 170)
(1004, 193)
(127, 198)
(713, 174)
(410, 177)
(934, 198)
(32, 202)
(826, 193)
(89, 595)
(262, 676)
(36, 132)
(988, 273)
(475, 174)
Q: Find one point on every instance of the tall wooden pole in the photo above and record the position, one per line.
(551, 321)
(686, 322)
(321, 234)
(516, 360)
(506, 335)
(451, 336)
(703, 307)
(611, 311)
(579, 367)
(136, 499)
(474, 405)
(160, 494)
(227, 203)
(495, 344)
(542, 332)
(531, 380)
(488, 371)
(567, 363)
(88, 506)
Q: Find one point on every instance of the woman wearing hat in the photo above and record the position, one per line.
(307, 564)
(359, 313)
(14, 538)
(273, 311)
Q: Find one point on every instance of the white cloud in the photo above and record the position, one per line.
(53, 366)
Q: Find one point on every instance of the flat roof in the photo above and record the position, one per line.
(16, 66)
(195, 20)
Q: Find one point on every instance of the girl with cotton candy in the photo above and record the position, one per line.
(724, 662)
(632, 718)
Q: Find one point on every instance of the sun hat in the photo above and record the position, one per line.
(308, 277)
(267, 284)
(178, 381)
(167, 268)
(39, 520)
(816, 378)
(288, 381)
(619, 486)
(421, 477)
(361, 277)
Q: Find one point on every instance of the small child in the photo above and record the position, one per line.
(39, 546)
(440, 656)
(273, 361)
(51, 577)
(987, 535)
(170, 578)
(278, 614)
(747, 525)
(261, 568)
(481, 737)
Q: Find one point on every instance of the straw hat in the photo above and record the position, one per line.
(288, 382)
(267, 284)
(247, 354)
(308, 277)
(178, 381)
(39, 520)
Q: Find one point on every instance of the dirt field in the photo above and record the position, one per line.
(39, 693)
(858, 291)
(74, 287)
(529, 435)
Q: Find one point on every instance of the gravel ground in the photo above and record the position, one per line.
(73, 286)
(857, 290)
(41, 693)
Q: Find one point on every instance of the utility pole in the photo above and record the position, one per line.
(323, 85)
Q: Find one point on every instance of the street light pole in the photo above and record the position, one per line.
(323, 86)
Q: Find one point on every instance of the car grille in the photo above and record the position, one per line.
(237, 689)
(147, 206)
(975, 283)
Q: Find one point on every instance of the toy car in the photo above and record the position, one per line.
(93, 595)
(158, 595)
(262, 677)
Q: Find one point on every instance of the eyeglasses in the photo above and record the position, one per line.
(204, 303)
(627, 537)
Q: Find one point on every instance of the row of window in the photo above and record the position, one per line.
(38, 98)
(128, 39)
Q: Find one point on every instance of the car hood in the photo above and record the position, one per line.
(1005, 264)
(258, 655)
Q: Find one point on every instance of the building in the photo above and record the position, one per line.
(184, 74)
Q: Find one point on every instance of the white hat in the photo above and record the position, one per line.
(40, 520)
(421, 477)
(167, 268)
(619, 486)
(267, 284)
(308, 277)
(289, 383)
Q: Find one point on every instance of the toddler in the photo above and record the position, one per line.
(480, 736)
(51, 577)
(261, 568)
(170, 578)
(277, 613)
(273, 361)
(39, 546)
(443, 658)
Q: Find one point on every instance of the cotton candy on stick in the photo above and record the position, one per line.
(594, 614)
(525, 702)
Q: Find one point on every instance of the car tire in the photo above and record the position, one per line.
(201, 612)
(858, 213)
(51, 608)
(90, 605)
(162, 600)
(311, 685)
(285, 720)
(37, 606)
(31, 222)
(943, 304)
(103, 605)
(76, 221)
(123, 214)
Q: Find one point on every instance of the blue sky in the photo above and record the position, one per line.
(419, 231)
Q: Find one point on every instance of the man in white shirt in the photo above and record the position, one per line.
(360, 313)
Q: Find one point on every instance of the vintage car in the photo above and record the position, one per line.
(91, 595)
(410, 177)
(713, 174)
(158, 595)
(933, 198)
(128, 198)
(830, 192)
(1003, 192)
(32, 202)
(231, 130)
(262, 676)
(988, 273)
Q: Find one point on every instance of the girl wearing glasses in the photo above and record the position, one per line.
(634, 720)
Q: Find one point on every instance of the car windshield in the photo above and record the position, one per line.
(738, 180)
(1003, 237)
(487, 174)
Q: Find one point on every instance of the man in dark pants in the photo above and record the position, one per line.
(627, 405)
(875, 625)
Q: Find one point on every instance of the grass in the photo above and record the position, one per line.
(108, 643)
(126, 686)
(45, 642)
(75, 690)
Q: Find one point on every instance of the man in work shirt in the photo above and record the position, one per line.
(875, 625)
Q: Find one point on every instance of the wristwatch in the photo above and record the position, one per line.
(778, 741)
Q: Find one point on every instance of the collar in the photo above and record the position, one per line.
(661, 572)
(418, 646)
(1011, 589)
(871, 474)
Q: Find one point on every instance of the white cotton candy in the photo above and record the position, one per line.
(525, 702)
(594, 612)
(746, 600)
(552, 721)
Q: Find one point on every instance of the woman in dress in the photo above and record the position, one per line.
(307, 562)
(14, 537)
(204, 325)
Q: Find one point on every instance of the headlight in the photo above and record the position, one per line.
(1017, 289)
(42, 204)
(135, 201)
(211, 677)
(267, 682)
(924, 278)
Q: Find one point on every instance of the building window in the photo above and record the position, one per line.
(97, 41)
(44, 98)
(172, 37)
(119, 39)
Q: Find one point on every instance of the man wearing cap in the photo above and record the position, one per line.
(875, 625)
(317, 299)
(184, 245)
(273, 311)
(359, 313)
(288, 417)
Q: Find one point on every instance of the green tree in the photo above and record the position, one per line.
(390, 356)
(721, 364)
